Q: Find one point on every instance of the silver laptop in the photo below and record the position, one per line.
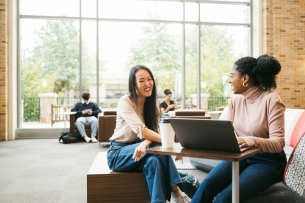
(216, 135)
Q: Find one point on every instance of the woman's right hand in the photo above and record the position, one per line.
(170, 106)
(139, 152)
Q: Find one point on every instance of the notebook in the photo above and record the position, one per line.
(216, 135)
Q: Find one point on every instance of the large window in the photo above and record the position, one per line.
(90, 45)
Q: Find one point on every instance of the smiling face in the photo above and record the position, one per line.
(144, 83)
(237, 81)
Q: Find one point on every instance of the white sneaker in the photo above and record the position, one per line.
(87, 138)
(181, 199)
(93, 138)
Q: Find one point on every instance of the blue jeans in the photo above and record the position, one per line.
(80, 124)
(256, 174)
(159, 170)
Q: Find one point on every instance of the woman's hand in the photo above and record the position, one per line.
(139, 152)
(241, 143)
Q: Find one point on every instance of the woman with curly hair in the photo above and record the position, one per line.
(257, 114)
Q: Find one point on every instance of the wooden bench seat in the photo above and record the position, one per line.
(105, 185)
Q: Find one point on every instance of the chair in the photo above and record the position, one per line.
(295, 168)
(73, 128)
(58, 113)
(106, 126)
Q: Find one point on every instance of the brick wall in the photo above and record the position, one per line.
(3, 69)
(284, 38)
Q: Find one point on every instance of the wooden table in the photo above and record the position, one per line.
(177, 150)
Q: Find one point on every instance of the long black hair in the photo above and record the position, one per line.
(262, 70)
(150, 111)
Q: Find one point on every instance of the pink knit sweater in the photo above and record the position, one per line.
(258, 117)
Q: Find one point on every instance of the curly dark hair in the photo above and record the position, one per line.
(262, 70)
(167, 92)
(150, 111)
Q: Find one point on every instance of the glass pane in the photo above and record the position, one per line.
(50, 67)
(191, 11)
(224, 13)
(221, 46)
(89, 70)
(50, 7)
(152, 44)
(89, 8)
(191, 66)
(129, 9)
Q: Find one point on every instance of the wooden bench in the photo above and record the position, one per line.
(57, 113)
(105, 185)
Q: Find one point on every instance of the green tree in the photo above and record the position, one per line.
(57, 47)
(32, 85)
(216, 58)
(160, 51)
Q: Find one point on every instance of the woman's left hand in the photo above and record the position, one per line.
(241, 143)
(139, 152)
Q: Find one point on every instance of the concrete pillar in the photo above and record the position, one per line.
(46, 99)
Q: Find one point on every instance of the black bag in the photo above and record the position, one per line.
(68, 138)
(189, 184)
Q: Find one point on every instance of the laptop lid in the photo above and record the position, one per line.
(216, 135)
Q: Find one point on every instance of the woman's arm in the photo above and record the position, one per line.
(166, 110)
(151, 135)
(130, 116)
(162, 110)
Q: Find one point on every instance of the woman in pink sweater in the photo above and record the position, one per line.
(257, 114)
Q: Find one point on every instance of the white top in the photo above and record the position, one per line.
(129, 122)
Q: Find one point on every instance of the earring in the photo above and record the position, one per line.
(245, 84)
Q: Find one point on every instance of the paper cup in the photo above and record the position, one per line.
(167, 135)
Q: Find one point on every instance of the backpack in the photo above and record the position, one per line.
(189, 184)
(68, 138)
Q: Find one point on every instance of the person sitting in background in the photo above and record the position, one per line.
(168, 104)
(87, 112)
(257, 114)
(137, 128)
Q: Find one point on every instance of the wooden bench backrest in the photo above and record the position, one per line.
(56, 110)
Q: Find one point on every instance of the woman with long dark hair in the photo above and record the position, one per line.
(137, 128)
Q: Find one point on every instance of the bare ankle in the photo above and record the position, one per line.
(176, 191)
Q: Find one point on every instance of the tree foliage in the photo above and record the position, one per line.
(57, 52)
(160, 51)
(32, 86)
(216, 58)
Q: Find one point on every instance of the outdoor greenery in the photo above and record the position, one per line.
(160, 51)
(217, 59)
(52, 65)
